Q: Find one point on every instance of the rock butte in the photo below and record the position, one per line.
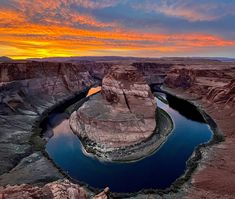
(123, 114)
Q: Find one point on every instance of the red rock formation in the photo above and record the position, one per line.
(123, 115)
(126, 88)
(27, 91)
(60, 189)
(153, 72)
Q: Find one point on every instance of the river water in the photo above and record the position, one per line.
(159, 170)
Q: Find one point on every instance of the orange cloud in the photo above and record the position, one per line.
(9, 16)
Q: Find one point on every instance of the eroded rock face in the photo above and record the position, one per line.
(44, 77)
(123, 114)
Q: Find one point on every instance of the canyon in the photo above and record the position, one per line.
(31, 89)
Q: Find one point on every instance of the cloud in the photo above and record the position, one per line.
(58, 28)
(96, 4)
(8, 16)
(51, 12)
(189, 9)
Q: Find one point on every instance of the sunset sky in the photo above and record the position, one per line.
(146, 28)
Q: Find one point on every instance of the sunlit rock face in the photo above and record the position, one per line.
(121, 115)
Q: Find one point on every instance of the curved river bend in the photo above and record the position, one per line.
(158, 170)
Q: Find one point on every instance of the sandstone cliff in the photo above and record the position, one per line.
(153, 72)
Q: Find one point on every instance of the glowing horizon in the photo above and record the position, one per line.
(160, 28)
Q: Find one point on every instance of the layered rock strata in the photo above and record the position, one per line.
(123, 114)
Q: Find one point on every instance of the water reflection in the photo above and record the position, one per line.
(185, 108)
(93, 90)
(159, 170)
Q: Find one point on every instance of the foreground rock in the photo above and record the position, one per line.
(122, 115)
(60, 189)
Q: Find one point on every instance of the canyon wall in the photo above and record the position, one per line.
(211, 86)
(28, 90)
(214, 83)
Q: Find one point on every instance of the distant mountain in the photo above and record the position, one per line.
(5, 59)
(120, 58)
(225, 59)
(90, 58)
